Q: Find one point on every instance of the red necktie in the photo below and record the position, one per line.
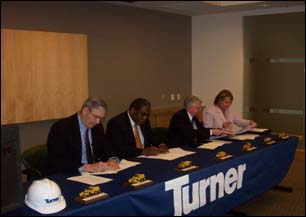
(88, 149)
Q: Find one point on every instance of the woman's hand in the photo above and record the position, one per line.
(226, 124)
(253, 123)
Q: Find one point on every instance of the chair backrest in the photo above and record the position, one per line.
(159, 135)
(35, 160)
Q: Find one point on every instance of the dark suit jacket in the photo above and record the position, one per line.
(65, 145)
(119, 133)
(182, 133)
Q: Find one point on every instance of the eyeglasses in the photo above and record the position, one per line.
(96, 116)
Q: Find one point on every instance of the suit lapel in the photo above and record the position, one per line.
(77, 139)
(145, 133)
(196, 120)
(129, 130)
(94, 132)
(188, 122)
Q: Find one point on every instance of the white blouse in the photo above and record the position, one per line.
(214, 118)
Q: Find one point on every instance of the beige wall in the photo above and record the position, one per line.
(217, 54)
(132, 52)
(217, 57)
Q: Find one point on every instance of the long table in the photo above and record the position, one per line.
(215, 188)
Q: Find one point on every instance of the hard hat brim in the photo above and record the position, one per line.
(47, 209)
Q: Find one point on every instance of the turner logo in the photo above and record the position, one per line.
(51, 200)
(227, 184)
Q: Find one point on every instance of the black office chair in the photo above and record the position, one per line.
(159, 135)
(35, 161)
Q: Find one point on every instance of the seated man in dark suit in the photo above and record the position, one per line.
(77, 143)
(185, 128)
(130, 132)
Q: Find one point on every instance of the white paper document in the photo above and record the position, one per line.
(238, 130)
(245, 137)
(258, 130)
(211, 138)
(89, 179)
(213, 144)
(124, 164)
(173, 153)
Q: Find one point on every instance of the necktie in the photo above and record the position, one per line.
(137, 137)
(88, 149)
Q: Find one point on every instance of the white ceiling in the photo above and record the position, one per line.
(193, 8)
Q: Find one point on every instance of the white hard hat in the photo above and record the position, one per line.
(45, 197)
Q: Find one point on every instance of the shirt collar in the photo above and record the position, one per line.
(131, 120)
(82, 126)
(189, 115)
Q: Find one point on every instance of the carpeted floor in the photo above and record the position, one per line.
(280, 203)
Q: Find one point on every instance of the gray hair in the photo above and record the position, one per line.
(191, 100)
(94, 102)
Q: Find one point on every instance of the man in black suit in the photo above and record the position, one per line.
(130, 132)
(77, 143)
(185, 128)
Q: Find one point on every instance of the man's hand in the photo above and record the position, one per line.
(112, 165)
(216, 132)
(163, 148)
(95, 167)
(228, 132)
(150, 151)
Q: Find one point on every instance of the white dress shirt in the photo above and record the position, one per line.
(195, 125)
(139, 130)
(82, 133)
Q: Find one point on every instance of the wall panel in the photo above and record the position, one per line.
(43, 75)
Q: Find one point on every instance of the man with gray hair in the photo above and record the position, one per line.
(77, 143)
(185, 128)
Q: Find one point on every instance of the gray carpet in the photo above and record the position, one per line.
(280, 203)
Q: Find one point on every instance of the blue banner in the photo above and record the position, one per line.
(215, 188)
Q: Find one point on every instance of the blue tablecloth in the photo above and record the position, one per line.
(215, 188)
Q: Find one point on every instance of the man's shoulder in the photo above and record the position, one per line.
(64, 126)
(67, 121)
(120, 118)
(178, 117)
(180, 113)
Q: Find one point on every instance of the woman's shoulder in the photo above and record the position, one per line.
(211, 109)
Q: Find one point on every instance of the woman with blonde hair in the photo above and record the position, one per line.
(220, 115)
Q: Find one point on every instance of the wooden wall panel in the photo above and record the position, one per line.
(43, 75)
